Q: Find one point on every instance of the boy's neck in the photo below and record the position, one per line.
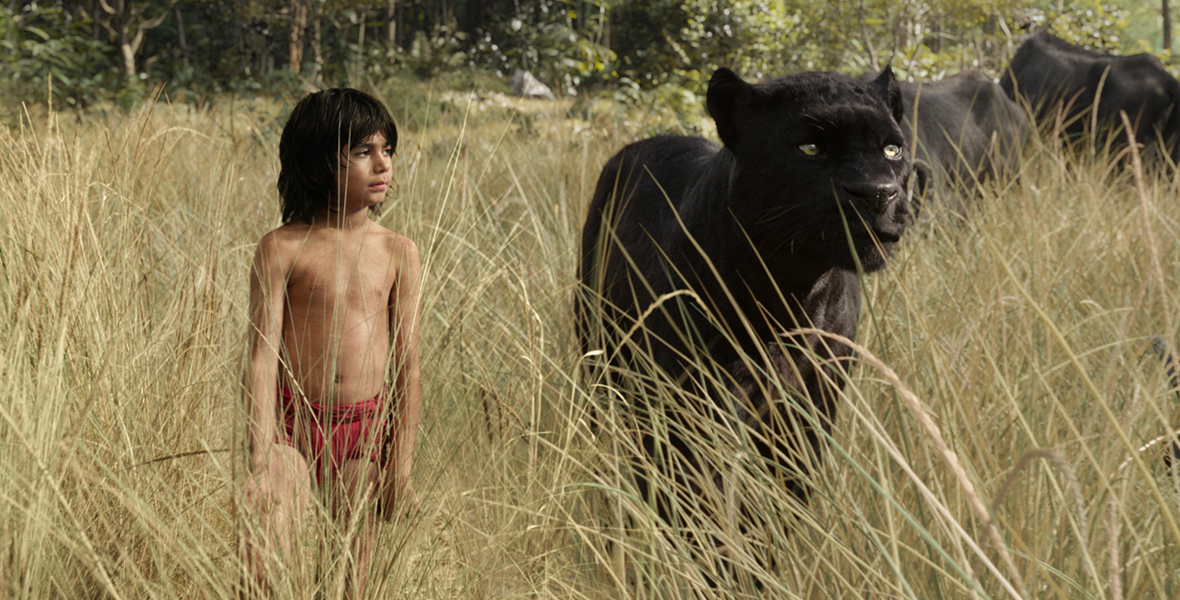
(341, 219)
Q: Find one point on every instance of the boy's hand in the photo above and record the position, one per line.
(411, 505)
(276, 480)
(262, 487)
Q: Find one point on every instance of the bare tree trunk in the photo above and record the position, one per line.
(473, 16)
(868, 39)
(295, 44)
(390, 24)
(317, 48)
(400, 29)
(129, 26)
(96, 16)
(1167, 14)
(604, 33)
(180, 38)
(128, 57)
(358, 59)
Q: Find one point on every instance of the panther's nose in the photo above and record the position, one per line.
(874, 196)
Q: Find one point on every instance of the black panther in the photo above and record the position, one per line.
(698, 261)
(1078, 87)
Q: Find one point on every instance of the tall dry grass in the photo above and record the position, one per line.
(990, 444)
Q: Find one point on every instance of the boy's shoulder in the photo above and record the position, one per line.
(286, 232)
(282, 243)
(397, 242)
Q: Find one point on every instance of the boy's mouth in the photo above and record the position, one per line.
(380, 186)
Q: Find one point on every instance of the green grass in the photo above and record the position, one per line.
(1021, 337)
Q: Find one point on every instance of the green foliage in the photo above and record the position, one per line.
(924, 40)
(672, 41)
(677, 104)
(1089, 23)
(546, 42)
(923, 37)
(44, 47)
(667, 50)
(432, 55)
(657, 53)
(921, 63)
(751, 36)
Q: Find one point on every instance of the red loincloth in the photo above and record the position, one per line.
(351, 431)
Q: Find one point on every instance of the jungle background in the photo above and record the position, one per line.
(643, 51)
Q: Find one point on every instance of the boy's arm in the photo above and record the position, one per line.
(404, 323)
(267, 295)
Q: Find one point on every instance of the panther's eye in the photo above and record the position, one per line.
(809, 149)
(892, 151)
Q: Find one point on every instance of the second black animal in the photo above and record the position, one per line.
(1081, 88)
(966, 130)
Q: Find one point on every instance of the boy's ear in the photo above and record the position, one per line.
(727, 93)
(886, 84)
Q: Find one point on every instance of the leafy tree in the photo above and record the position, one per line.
(52, 46)
(1084, 22)
(128, 22)
(1166, 14)
(548, 41)
(662, 39)
(658, 51)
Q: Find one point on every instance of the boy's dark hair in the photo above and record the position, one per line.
(322, 125)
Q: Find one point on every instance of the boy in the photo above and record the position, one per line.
(333, 308)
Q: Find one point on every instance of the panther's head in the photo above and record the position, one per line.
(822, 165)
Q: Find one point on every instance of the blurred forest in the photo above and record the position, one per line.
(89, 51)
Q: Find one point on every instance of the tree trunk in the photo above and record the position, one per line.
(122, 20)
(180, 38)
(473, 16)
(295, 44)
(390, 24)
(128, 57)
(400, 28)
(868, 38)
(96, 16)
(358, 59)
(317, 48)
(1167, 14)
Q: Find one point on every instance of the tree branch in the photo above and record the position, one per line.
(107, 8)
(155, 22)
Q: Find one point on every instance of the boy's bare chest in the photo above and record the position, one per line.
(332, 277)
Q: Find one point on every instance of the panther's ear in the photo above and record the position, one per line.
(887, 84)
(726, 92)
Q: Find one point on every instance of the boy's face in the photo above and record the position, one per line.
(365, 173)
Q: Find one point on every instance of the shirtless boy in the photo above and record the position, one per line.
(332, 385)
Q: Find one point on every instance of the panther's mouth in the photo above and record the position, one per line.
(866, 238)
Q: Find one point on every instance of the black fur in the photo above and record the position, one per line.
(756, 231)
(967, 130)
(1053, 76)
